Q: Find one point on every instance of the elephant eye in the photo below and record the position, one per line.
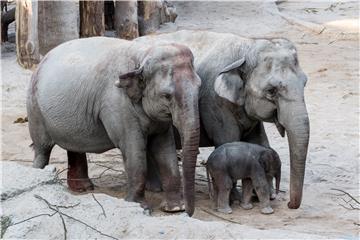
(271, 93)
(166, 96)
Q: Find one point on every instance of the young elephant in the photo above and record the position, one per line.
(254, 164)
(94, 94)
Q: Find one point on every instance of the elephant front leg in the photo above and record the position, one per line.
(134, 151)
(271, 187)
(162, 150)
(153, 182)
(247, 189)
(258, 136)
(261, 187)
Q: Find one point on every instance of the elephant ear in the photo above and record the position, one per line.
(229, 84)
(265, 160)
(132, 82)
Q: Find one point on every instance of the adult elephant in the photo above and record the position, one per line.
(95, 94)
(246, 82)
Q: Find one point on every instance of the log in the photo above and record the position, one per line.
(6, 18)
(92, 20)
(149, 13)
(27, 45)
(126, 19)
(58, 23)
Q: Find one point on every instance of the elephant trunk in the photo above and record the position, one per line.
(188, 124)
(293, 116)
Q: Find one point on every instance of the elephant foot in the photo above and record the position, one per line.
(246, 206)
(272, 196)
(80, 185)
(294, 204)
(173, 202)
(139, 199)
(226, 210)
(167, 206)
(267, 210)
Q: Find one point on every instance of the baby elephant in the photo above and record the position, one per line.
(254, 164)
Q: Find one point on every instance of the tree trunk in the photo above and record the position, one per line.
(6, 18)
(92, 21)
(3, 6)
(27, 45)
(168, 12)
(126, 19)
(109, 11)
(58, 23)
(154, 13)
(149, 16)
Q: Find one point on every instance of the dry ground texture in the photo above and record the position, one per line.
(327, 37)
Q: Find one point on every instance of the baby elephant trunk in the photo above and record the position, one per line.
(277, 181)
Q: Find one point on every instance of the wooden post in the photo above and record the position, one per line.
(149, 16)
(126, 19)
(27, 45)
(58, 23)
(92, 22)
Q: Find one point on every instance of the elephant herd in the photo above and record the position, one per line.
(95, 94)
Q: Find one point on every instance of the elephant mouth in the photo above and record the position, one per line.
(164, 117)
(278, 125)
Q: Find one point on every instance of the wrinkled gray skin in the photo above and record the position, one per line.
(95, 94)
(246, 82)
(254, 164)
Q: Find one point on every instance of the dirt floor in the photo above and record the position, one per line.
(327, 37)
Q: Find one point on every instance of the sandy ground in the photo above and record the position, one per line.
(330, 59)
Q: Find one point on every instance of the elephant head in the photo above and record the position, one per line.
(268, 83)
(271, 163)
(167, 86)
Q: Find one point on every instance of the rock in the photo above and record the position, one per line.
(18, 179)
(25, 190)
(21, 120)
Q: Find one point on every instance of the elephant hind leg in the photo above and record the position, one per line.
(224, 185)
(42, 142)
(216, 193)
(77, 177)
(42, 155)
